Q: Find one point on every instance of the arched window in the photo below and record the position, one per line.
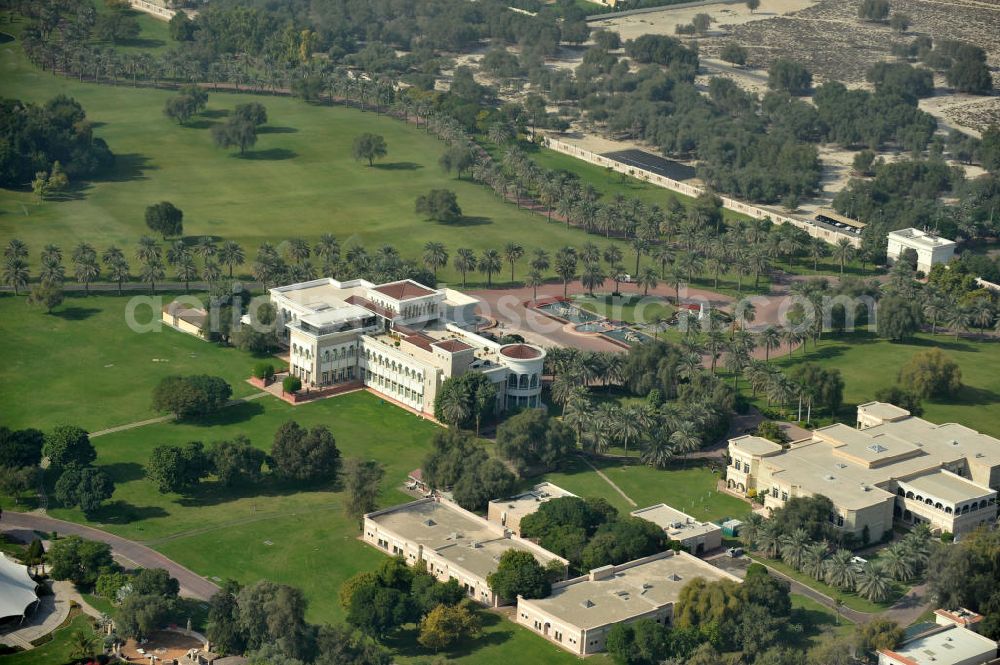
(974, 506)
(909, 495)
(534, 380)
(900, 492)
(939, 505)
(512, 381)
(920, 498)
(929, 501)
(947, 510)
(523, 383)
(965, 509)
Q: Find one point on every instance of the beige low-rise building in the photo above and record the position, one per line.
(696, 537)
(185, 318)
(952, 641)
(399, 339)
(580, 612)
(893, 466)
(453, 542)
(509, 512)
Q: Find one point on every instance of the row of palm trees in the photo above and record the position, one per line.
(112, 263)
(901, 561)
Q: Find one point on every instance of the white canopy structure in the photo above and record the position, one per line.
(17, 589)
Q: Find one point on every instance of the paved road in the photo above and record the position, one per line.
(192, 585)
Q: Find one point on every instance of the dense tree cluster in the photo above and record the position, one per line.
(533, 440)
(380, 602)
(304, 455)
(750, 617)
(964, 574)
(440, 205)
(20, 455)
(465, 400)
(35, 137)
(590, 533)
(77, 483)
(460, 463)
(519, 574)
(193, 396)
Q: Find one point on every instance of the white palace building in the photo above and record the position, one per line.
(400, 339)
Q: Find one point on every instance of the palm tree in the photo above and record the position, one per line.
(657, 453)
(118, 271)
(959, 319)
(83, 645)
(934, 309)
(578, 412)
(454, 408)
(111, 255)
(51, 253)
(593, 276)
(435, 256)
(540, 260)
(231, 255)
(327, 249)
(298, 249)
(981, 314)
(647, 279)
(896, 562)
(85, 267)
(490, 264)
(210, 272)
(15, 249)
(512, 253)
(15, 273)
(566, 259)
(818, 248)
(873, 583)
(843, 252)
(206, 247)
(769, 539)
(814, 559)
(465, 261)
(146, 249)
(564, 387)
(793, 547)
(534, 280)
(52, 270)
(152, 272)
(685, 438)
(840, 571)
(750, 530)
(631, 422)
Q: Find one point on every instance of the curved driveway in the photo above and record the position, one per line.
(140, 556)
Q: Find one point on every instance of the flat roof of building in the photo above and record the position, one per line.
(913, 236)
(883, 410)
(468, 540)
(528, 502)
(952, 644)
(678, 525)
(403, 290)
(848, 464)
(632, 589)
(948, 486)
(755, 445)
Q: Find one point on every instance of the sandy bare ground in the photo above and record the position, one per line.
(830, 40)
(665, 22)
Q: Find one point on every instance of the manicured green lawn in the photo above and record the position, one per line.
(868, 363)
(83, 365)
(298, 181)
(818, 619)
(690, 489)
(54, 652)
(363, 425)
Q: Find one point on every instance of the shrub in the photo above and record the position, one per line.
(932, 373)
(263, 370)
(291, 384)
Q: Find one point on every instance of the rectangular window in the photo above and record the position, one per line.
(774, 492)
(784, 496)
